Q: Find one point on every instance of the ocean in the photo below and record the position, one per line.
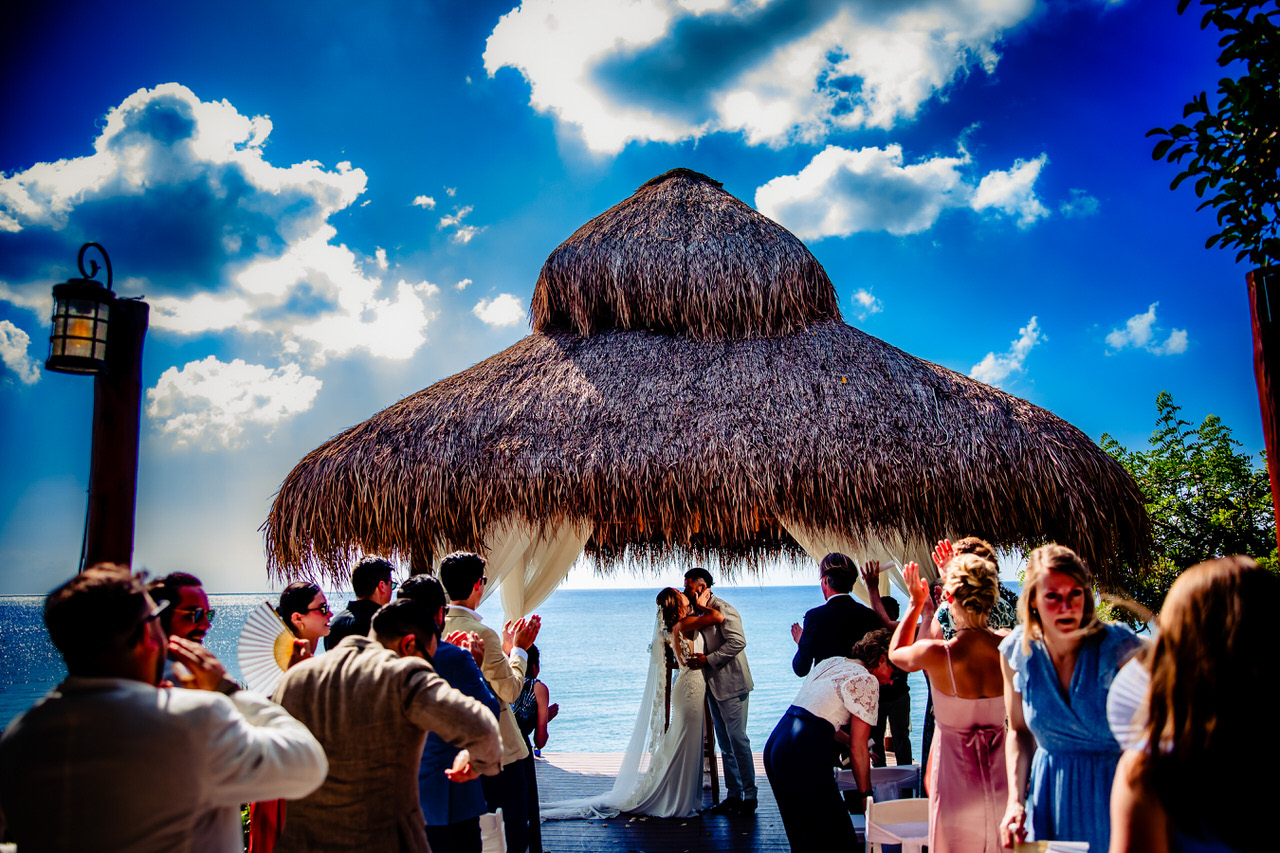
(594, 646)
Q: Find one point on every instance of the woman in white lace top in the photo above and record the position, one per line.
(798, 756)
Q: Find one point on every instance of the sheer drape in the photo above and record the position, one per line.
(819, 543)
(527, 563)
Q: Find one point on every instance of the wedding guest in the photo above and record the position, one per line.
(188, 614)
(451, 809)
(797, 757)
(533, 709)
(371, 702)
(464, 577)
(372, 584)
(1058, 666)
(1213, 667)
(304, 608)
(832, 629)
(968, 781)
(107, 761)
(895, 708)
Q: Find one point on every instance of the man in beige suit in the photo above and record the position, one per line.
(464, 579)
(371, 704)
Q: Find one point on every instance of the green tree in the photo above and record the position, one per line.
(1233, 147)
(1205, 498)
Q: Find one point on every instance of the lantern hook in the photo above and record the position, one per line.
(93, 265)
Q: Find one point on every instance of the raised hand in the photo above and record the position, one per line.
(916, 585)
(796, 632)
(942, 554)
(301, 651)
(552, 710)
(509, 635)
(871, 574)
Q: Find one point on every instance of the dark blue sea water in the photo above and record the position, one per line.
(594, 656)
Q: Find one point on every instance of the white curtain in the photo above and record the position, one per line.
(527, 563)
(819, 543)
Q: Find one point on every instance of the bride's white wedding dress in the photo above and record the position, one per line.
(661, 773)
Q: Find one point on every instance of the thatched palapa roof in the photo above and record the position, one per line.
(688, 385)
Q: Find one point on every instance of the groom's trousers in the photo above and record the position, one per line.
(729, 716)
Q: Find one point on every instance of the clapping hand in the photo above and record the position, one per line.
(552, 710)
(796, 632)
(470, 641)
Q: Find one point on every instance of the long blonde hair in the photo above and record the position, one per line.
(1212, 672)
(1064, 561)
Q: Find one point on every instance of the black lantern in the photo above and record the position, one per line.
(81, 320)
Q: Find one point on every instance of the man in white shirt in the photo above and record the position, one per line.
(505, 658)
(109, 761)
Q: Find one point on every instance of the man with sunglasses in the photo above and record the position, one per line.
(108, 761)
(188, 614)
(372, 584)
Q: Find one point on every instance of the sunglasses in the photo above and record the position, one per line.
(392, 583)
(198, 614)
(323, 608)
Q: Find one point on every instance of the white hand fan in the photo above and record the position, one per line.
(266, 644)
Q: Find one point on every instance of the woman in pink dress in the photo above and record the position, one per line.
(968, 786)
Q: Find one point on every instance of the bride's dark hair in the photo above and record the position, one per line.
(669, 604)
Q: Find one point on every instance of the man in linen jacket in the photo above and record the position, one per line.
(730, 684)
(505, 660)
(106, 761)
(371, 703)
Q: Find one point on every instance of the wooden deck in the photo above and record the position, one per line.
(565, 775)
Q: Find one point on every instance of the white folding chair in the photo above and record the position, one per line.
(904, 822)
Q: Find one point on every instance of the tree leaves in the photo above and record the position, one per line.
(1235, 147)
(1204, 497)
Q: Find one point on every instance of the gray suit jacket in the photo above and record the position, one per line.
(727, 672)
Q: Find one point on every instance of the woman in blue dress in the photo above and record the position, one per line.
(1058, 666)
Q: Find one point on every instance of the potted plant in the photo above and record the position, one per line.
(1232, 151)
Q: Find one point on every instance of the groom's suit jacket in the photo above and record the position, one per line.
(727, 672)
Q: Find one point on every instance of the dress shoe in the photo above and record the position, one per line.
(729, 805)
(746, 808)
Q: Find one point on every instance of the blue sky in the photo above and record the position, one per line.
(331, 205)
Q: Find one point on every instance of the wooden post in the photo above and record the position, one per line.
(1264, 306)
(117, 416)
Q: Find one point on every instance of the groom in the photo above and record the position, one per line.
(729, 680)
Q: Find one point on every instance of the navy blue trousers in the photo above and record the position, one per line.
(797, 760)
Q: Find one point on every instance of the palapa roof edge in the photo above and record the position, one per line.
(673, 446)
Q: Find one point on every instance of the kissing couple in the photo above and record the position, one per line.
(708, 644)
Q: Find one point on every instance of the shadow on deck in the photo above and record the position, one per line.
(567, 775)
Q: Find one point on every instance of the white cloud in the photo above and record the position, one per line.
(842, 192)
(14, 355)
(1078, 205)
(503, 310)
(462, 285)
(1139, 332)
(1013, 192)
(463, 233)
(247, 248)
(994, 369)
(865, 303)
(209, 403)
(424, 201)
(776, 72)
(451, 191)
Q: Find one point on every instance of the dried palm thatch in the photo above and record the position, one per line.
(698, 439)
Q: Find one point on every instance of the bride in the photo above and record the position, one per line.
(669, 782)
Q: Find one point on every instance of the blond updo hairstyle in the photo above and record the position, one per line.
(974, 586)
